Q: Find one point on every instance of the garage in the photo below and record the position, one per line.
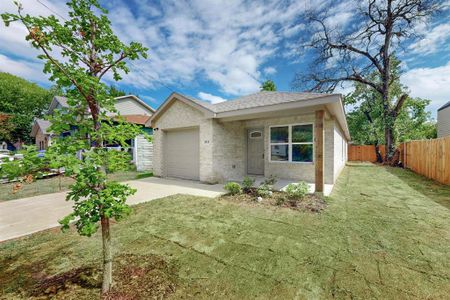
(182, 153)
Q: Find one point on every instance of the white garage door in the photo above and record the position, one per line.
(182, 154)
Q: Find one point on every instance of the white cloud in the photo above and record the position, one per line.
(27, 69)
(293, 30)
(226, 42)
(210, 98)
(149, 99)
(269, 70)
(434, 40)
(429, 83)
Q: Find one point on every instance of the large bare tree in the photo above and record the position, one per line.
(364, 46)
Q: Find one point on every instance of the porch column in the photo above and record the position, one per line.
(318, 156)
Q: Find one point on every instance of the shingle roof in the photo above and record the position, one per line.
(259, 99)
(445, 106)
(263, 99)
(62, 101)
(205, 104)
(43, 125)
(136, 119)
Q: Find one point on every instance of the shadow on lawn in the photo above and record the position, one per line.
(136, 277)
(435, 191)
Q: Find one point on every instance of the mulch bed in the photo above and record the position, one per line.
(311, 202)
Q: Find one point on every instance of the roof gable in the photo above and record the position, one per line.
(197, 104)
(40, 125)
(140, 102)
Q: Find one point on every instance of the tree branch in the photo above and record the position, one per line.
(122, 57)
(400, 102)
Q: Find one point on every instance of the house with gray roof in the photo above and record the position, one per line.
(129, 107)
(294, 136)
(443, 120)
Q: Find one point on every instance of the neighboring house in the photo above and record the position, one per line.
(42, 135)
(443, 121)
(267, 133)
(130, 107)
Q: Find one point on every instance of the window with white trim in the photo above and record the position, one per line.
(292, 143)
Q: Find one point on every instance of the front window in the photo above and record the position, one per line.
(291, 143)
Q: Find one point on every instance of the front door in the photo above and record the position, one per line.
(255, 151)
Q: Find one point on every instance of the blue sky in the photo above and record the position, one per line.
(219, 50)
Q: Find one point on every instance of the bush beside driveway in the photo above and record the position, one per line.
(380, 237)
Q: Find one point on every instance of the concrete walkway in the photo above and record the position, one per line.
(28, 215)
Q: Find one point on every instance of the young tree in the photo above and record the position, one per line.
(78, 53)
(268, 85)
(352, 53)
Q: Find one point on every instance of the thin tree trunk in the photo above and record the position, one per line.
(378, 153)
(107, 255)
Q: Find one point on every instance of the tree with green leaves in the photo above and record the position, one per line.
(366, 118)
(22, 101)
(77, 54)
(115, 92)
(352, 53)
(268, 85)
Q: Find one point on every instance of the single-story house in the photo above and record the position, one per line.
(130, 107)
(443, 121)
(296, 136)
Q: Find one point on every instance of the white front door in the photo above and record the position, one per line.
(255, 151)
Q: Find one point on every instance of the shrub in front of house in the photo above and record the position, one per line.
(297, 191)
(233, 188)
(247, 184)
(264, 190)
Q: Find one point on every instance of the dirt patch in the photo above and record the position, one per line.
(135, 277)
(311, 203)
(143, 277)
(85, 277)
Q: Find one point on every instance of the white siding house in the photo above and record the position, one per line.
(443, 122)
(130, 107)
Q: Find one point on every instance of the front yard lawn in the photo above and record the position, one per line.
(379, 237)
(56, 184)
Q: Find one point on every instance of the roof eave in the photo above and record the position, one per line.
(445, 106)
(332, 99)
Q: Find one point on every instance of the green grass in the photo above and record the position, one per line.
(379, 238)
(57, 184)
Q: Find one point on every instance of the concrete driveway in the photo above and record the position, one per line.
(28, 215)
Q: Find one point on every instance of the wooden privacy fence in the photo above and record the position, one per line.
(364, 153)
(430, 158)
